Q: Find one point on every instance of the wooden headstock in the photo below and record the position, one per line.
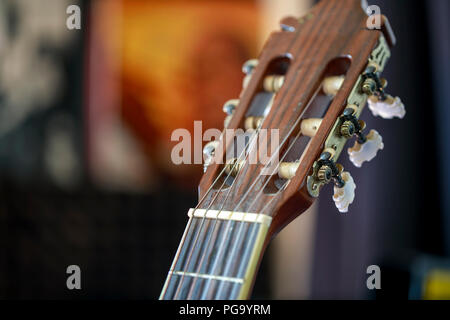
(312, 77)
(306, 92)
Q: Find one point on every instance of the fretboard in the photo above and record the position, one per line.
(217, 257)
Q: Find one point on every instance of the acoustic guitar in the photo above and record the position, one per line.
(301, 100)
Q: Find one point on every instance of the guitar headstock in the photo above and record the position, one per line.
(301, 101)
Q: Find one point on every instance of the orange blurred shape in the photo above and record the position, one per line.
(181, 62)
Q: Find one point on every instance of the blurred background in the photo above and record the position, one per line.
(85, 172)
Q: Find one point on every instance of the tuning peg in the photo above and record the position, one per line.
(229, 108)
(249, 65)
(388, 108)
(367, 149)
(345, 194)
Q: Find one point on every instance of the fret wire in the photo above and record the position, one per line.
(234, 181)
(184, 286)
(209, 276)
(234, 294)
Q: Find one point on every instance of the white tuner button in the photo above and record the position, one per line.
(387, 109)
(344, 196)
(361, 153)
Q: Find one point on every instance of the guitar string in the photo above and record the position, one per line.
(227, 267)
(216, 218)
(223, 203)
(292, 43)
(221, 246)
(248, 146)
(285, 154)
(262, 190)
(180, 246)
(268, 180)
(286, 185)
(296, 124)
(191, 219)
(201, 201)
(243, 153)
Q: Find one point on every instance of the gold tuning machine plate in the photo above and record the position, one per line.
(357, 100)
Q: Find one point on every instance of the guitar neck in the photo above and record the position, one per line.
(218, 256)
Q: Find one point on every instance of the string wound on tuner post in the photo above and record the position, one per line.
(380, 103)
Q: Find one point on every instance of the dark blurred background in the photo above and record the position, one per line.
(85, 173)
